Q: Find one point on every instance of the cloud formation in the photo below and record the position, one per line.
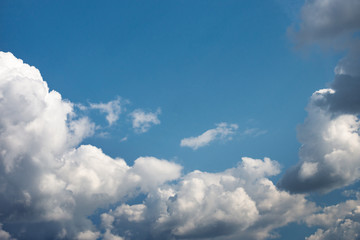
(143, 121)
(239, 203)
(254, 132)
(326, 20)
(48, 184)
(329, 153)
(112, 109)
(222, 131)
(330, 134)
(340, 221)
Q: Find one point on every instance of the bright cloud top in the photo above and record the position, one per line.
(112, 109)
(239, 203)
(50, 185)
(222, 131)
(330, 134)
(142, 121)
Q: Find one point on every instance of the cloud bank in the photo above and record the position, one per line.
(239, 203)
(340, 221)
(330, 134)
(222, 131)
(50, 184)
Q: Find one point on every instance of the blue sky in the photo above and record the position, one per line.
(187, 86)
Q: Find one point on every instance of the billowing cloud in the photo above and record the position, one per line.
(112, 109)
(142, 121)
(329, 153)
(48, 184)
(239, 203)
(330, 134)
(340, 221)
(222, 131)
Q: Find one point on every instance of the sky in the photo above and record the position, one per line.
(179, 119)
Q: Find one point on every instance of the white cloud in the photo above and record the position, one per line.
(142, 121)
(49, 185)
(112, 109)
(255, 132)
(109, 236)
(88, 235)
(330, 134)
(239, 203)
(329, 153)
(222, 131)
(133, 213)
(340, 221)
(308, 169)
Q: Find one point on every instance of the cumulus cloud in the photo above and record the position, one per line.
(48, 184)
(340, 221)
(329, 153)
(222, 131)
(142, 121)
(239, 203)
(330, 134)
(112, 109)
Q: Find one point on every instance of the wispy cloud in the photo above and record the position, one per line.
(254, 132)
(222, 131)
(112, 109)
(142, 121)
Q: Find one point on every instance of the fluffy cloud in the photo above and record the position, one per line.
(222, 131)
(112, 109)
(330, 135)
(88, 235)
(239, 203)
(340, 221)
(329, 153)
(49, 185)
(142, 121)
